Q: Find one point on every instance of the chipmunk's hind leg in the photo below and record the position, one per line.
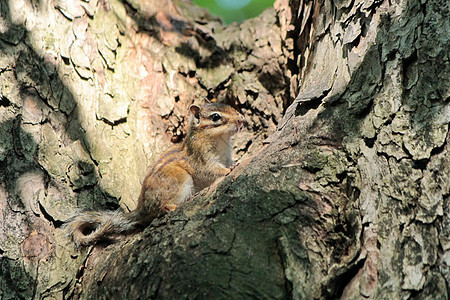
(182, 188)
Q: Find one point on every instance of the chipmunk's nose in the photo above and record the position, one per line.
(241, 121)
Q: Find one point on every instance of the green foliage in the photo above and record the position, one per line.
(235, 11)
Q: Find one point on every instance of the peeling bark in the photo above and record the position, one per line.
(343, 185)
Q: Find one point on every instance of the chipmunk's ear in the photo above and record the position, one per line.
(195, 113)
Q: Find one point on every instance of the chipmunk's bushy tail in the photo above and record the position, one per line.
(90, 227)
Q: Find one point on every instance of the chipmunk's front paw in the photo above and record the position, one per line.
(169, 207)
(234, 166)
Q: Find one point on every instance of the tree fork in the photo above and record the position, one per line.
(342, 193)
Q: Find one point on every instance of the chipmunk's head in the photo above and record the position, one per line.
(215, 119)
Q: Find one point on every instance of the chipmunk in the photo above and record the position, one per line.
(183, 170)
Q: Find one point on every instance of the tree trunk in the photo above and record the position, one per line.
(342, 190)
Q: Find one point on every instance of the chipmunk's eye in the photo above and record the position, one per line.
(215, 117)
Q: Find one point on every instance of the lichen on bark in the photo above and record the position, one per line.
(342, 188)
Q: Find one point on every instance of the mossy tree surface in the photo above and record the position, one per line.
(343, 185)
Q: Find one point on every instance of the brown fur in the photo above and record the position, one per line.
(184, 169)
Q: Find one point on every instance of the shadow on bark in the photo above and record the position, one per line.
(270, 227)
(33, 97)
(291, 216)
(156, 25)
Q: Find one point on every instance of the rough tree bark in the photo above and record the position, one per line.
(343, 186)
